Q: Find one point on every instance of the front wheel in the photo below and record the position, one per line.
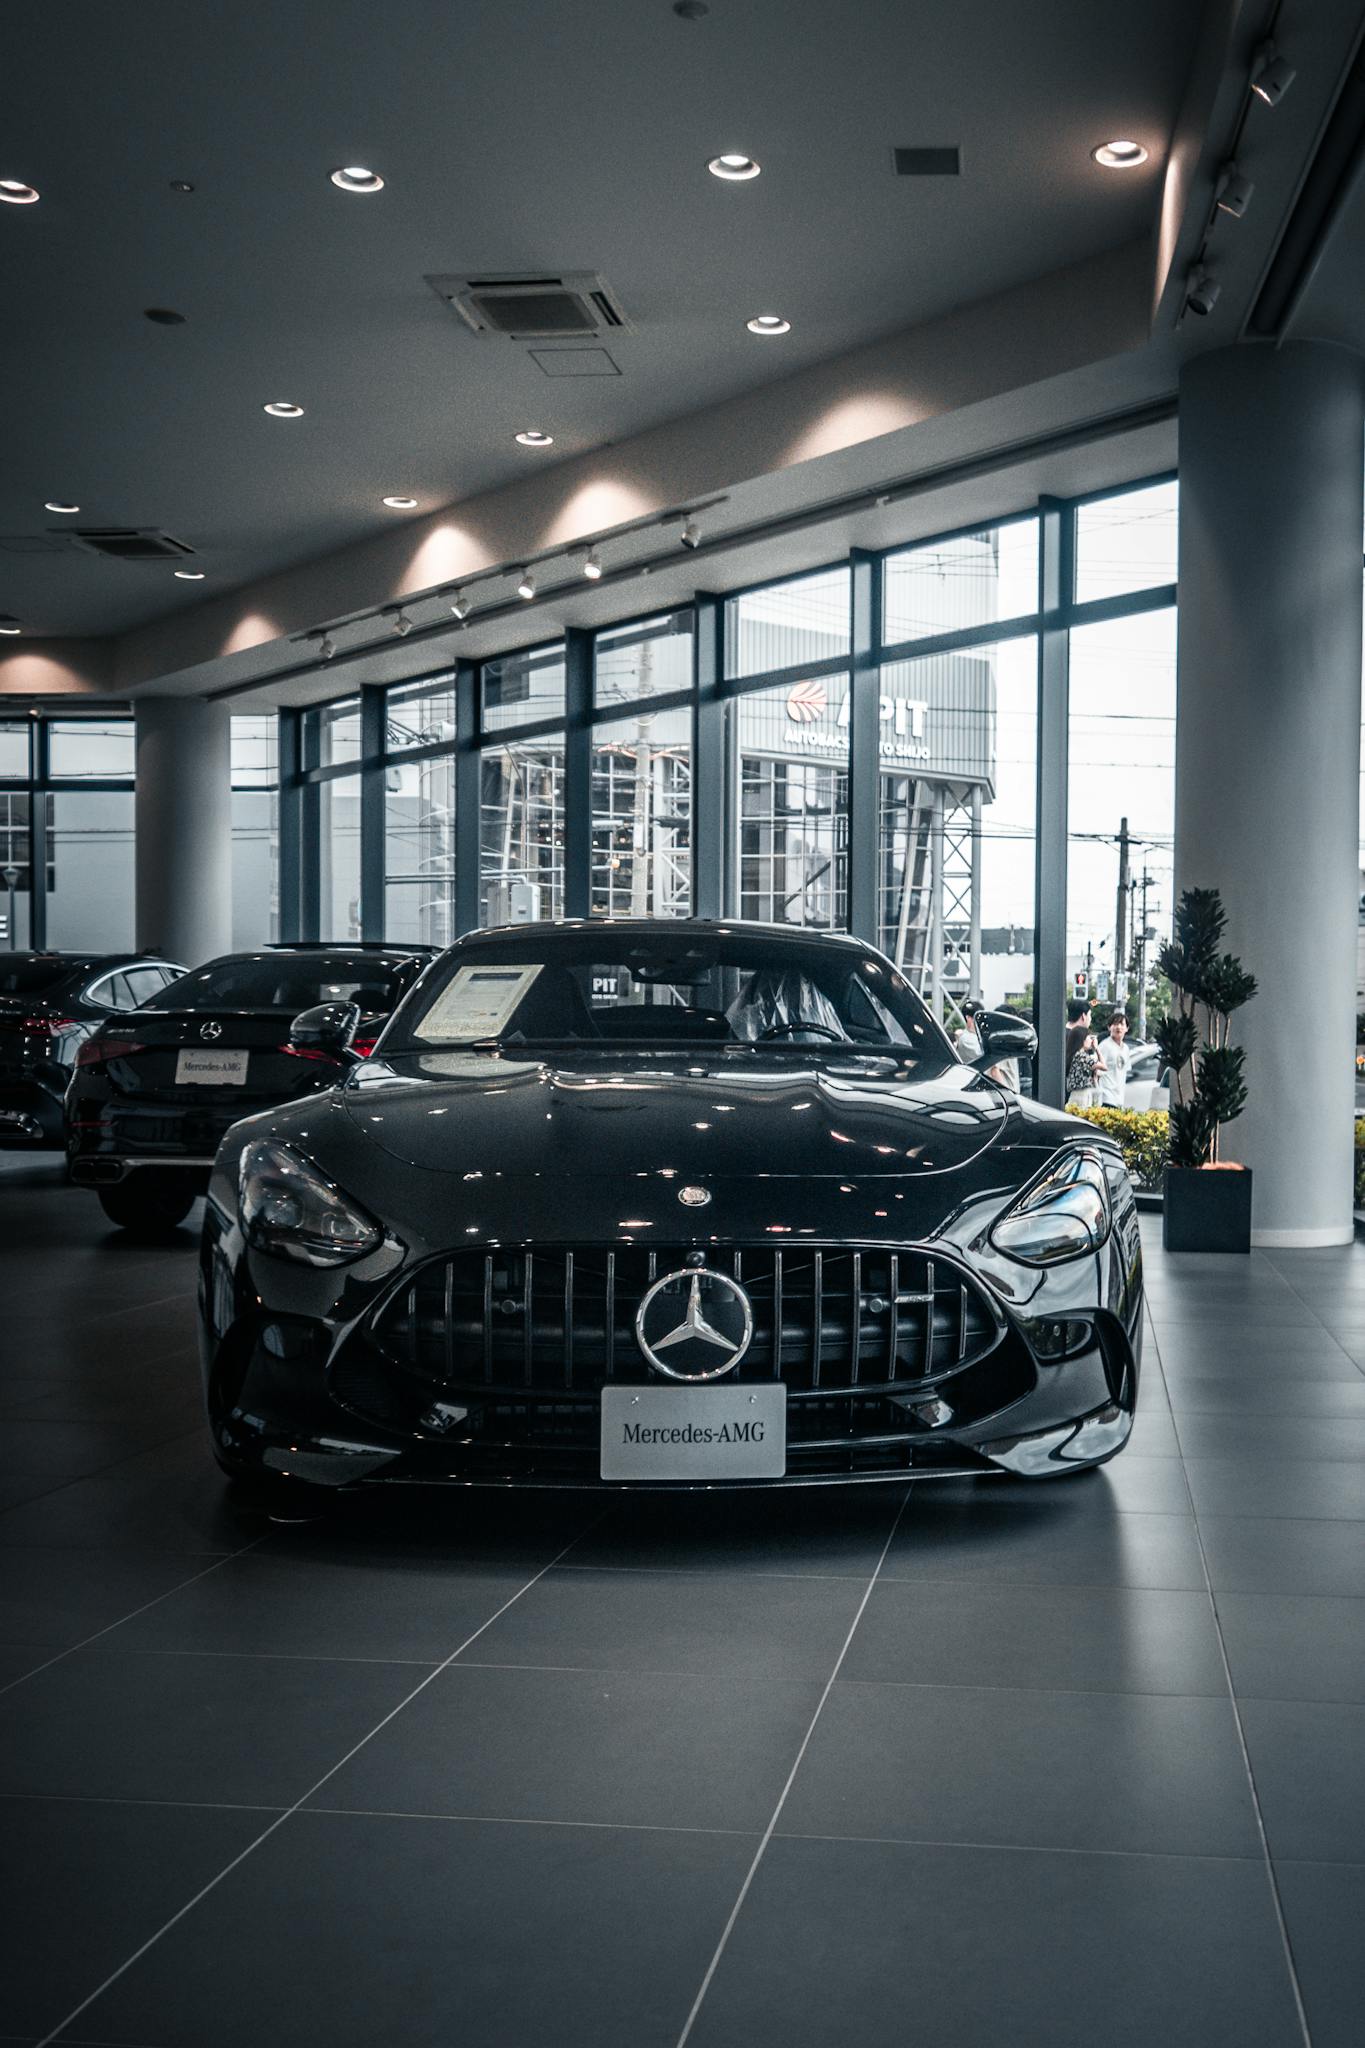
(147, 1207)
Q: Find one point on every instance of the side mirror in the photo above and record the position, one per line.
(327, 1029)
(1003, 1037)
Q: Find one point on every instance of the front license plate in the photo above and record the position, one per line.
(694, 1432)
(207, 1069)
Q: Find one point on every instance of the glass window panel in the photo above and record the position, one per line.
(645, 660)
(523, 687)
(15, 896)
(521, 832)
(972, 580)
(785, 623)
(958, 822)
(255, 867)
(334, 733)
(90, 871)
(1126, 543)
(256, 752)
(419, 850)
(14, 752)
(90, 747)
(420, 714)
(790, 749)
(339, 857)
(1122, 765)
(642, 816)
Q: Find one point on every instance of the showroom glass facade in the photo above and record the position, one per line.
(920, 745)
(66, 832)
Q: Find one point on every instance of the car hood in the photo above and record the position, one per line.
(474, 1114)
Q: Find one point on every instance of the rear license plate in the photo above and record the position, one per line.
(694, 1432)
(210, 1069)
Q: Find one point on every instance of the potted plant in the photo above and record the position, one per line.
(1205, 1210)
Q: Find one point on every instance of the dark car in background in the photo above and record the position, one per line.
(154, 1091)
(50, 1003)
(668, 1204)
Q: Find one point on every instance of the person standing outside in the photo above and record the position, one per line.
(1082, 1056)
(1115, 1061)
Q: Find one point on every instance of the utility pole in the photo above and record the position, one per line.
(1121, 907)
(1142, 934)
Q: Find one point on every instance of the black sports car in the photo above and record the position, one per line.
(50, 1003)
(153, 1092)
(658, 1204)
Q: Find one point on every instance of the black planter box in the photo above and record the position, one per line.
(1206, 1209)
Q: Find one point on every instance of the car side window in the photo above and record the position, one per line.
(143, 983)
(110, 992)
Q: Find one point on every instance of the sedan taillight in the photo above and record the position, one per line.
(96, 1051)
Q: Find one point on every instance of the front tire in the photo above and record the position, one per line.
(151, 1211)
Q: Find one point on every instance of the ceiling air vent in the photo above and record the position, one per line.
(130, 543)
(927, 163)
(576, 305)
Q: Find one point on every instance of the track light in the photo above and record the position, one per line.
(526, 586)
(402, 624)
(1201, 293)
(691, 534)
(1273, 76)
(326, 645)
(1233, 192)
(592, 567)
(459, 605)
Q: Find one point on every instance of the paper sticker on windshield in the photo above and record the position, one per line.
(475, 1004)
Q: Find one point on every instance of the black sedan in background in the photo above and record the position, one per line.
(686, 1204)
(49, 1005)
(153, 1092)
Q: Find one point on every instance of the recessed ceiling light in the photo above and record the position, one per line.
(734, 167)
(355, 178)
(164, 317)
(1121, 155)
(459, 605)
(402, 624)
(592, 567)
(189, 575)
(396, 504)
(768, 323)
(10, 626)
(526, 587)
(532, 437)
(281, 409)
(16, 194)
(51, 505)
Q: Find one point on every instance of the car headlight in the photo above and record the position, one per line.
(1062, 1215)
(289, 1209)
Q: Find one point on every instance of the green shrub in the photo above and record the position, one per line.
(1143, 1137)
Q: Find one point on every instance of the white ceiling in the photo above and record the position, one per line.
(511, 139)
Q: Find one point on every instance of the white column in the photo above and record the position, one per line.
(184, 828)
(1268, 745)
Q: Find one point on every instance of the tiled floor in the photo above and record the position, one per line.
(1005, 1763)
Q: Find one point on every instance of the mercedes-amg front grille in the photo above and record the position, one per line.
(522, 1320)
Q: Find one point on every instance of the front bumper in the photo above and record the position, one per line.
(107, 1169)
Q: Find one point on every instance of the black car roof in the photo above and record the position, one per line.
(670, 927)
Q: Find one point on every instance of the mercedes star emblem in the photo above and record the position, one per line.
(694, 1198)
(694, 1325)
(211, 1030)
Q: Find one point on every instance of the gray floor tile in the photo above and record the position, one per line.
(140, 1505)
(363, 1931)
(1336, 1438)
(255, 1730)
(1271, 1368)
(1239, 1395)
(1309, 1762)
(1293, 1646)
(1154, 1435)
(1060, 1770)
(263, 1607)
(1324, 1910)
(642, 1749)
(1086, 1638)
(1017, 1543)
(822, 1533)
(671, 1621)
(1128, 1484)
(119, 1872)
(59, 1597)
(1317, 1489)
(17, 1660)
(888, 1944)
(1253, 1554)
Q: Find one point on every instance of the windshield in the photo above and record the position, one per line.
(279, 981)
(26, 974)
(619, 986)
